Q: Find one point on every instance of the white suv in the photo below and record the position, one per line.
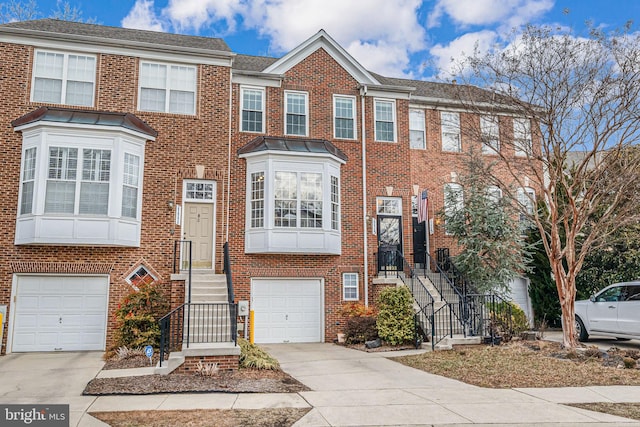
(614, 311)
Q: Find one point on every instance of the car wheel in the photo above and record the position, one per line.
(581, 331)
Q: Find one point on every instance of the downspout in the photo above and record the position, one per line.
(229, 154)
(363, 92)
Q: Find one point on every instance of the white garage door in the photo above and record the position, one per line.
(287, 310)
(519, 288)
(60, 313)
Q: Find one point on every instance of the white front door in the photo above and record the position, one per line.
(287, 310)
(199, 223)
(60, 313)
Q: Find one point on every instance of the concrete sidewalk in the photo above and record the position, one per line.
(349, 388)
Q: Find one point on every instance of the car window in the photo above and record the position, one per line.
(612, 294)
(633, 293)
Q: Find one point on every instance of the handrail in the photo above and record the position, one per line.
(210, 323)
(227, 272)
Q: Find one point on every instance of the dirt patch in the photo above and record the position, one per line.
(529, 364)
(131, 362)
(240, 381)
(382, 348)
(278, 417)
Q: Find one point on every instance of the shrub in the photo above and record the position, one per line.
(395, 320)
(252, 356)
(137, 317)
(357, 309)
(509, 315)
(360, 329)
(629, 362)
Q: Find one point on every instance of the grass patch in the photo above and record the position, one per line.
(626, 410)
(277, 417)
(522, 364)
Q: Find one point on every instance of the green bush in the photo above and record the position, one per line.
(137, 317)
(252, 356)
(360, 329)
(516, 319)
(395, 320)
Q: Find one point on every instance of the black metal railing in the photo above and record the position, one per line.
(198, 323)
(448, 293)
(442, 324)
(227, 272)
(490, 316)
(182, 255)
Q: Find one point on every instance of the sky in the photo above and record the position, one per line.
(396, 38)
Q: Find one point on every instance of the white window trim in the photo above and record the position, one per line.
(344, 287)
(488, 123)
(523, 143)
(167, 101)
(446, 127)
(380, 203)
(355, 124)
(423, 129)
(112, 229)
(264, 102)
(393, 118)
(64, 75)
(306, 111)
(459, 203)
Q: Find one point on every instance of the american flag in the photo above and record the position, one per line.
(423, 206)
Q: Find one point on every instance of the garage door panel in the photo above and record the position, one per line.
(287, 310)
(65, 313)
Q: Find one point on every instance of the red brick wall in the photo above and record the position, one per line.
(225, 363)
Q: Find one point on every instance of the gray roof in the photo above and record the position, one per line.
(105, 33)
(298, 145)
(252, 63)
(86, 117)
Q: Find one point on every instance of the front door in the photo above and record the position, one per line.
(419, 242)
(389, 242)
(199, 217)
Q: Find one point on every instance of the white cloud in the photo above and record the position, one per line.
(447, 57)
(143, 17)
(196, 14)
(486, 12)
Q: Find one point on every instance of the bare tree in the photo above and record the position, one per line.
(17, 10)
(583, 96)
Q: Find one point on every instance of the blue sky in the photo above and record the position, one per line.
(401, 38)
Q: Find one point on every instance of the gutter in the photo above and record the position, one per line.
(363, 93)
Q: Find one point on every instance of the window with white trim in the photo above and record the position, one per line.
(141, 276)
(417, 129)
(388, 206)
(450, 127)
(298, 195)
(493, 194)
(350, 287)
(522, 137)
(335, 203)
(296, 113)
(130, 183)
(199, 191)
(344, 114)
(453, 202)
(526, 199)
(257, 199)
(490, 134)
(63, 78)
(385, 120)
(252, 110)
(167, 88)
(28, 181)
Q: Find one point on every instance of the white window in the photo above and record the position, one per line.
(526, 199)
(167, 88)
(389, 206)
(453, 202)
(350, 286)
(298, 195)
(28, 178)
(450, 126)
(296, 113)
(199, 191)
(335, 203)
(140, 276)
(257, 200)
(130, 183)
(385, 120)
(344, 114)
(63, 78)
(522, 137)
(252, 110)
(494, 194)
(417, 129)
(80, 186)
(490, 134)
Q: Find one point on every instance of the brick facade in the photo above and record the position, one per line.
(206, 138)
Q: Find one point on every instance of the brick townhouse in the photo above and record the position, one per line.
(119, 143)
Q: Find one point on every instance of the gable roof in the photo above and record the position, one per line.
(322, 40)
(101, 34)
(86, 117)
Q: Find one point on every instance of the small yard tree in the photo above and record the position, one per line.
(582, 96)
(395, 320)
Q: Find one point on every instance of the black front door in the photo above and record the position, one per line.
(419, 242)
(389, 243)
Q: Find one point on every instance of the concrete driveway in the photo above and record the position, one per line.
(51, 378)
(603, 343)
